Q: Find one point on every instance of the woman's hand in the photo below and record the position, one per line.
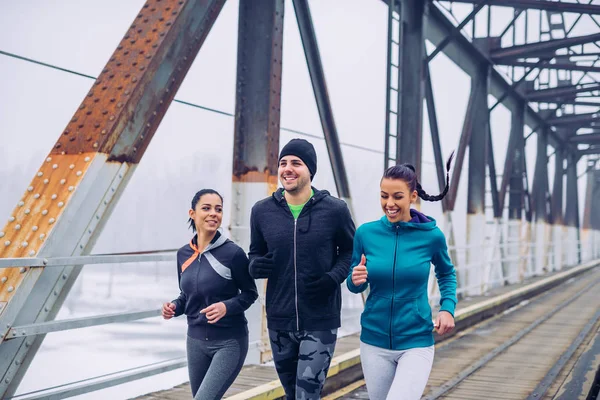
(444, 323)
(168, 310)
(359, 272)
(214, 312)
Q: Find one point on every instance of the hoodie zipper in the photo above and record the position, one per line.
(283, 202)
(296, 277)
(393, 287)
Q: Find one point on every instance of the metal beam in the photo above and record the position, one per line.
(91, 260)
(546, 5)
(584, 54)
(465, 139)
(478, 163)
(317, 77)
(572, 206)
(435, 136)
(493, 177)
(390, 132)
(533, 49)
(585, 138)
(516, 134)
(258, 93)
(552, 94)
(78, 323)
(516, 84)
(573, 102)
(413, 14)
(540, 187)
(76, 188)
(557, 66)
(594, 206)
(467, 57)
(464, 22)
(589, 151)
(592, 187)
(256, 129)
(557, 189)
(514, 168)
(526, 193)
(86, 386)
(478, 145)
(574, 119)
(516, 15)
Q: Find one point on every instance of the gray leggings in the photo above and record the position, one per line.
(396, 374)
(213, 365)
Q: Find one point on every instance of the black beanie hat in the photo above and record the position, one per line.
(304, 150)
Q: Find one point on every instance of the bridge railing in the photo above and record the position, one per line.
(500, 264)
(491, 265)
(106, 380)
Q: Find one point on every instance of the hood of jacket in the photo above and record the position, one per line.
(218, 241)
(318, 195)
(418, 221)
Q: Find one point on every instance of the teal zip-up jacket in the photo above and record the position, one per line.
(397, 315)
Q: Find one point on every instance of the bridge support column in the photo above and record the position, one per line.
(256, 135)
(590, 233)
(515, 179)
(476, 226)
(558, 228)
(540, 199)
(413, 15)
(572, 214)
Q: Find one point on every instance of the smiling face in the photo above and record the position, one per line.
(396, 198)
(208, 214)
(293, 174)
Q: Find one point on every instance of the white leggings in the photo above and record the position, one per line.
(395, 374)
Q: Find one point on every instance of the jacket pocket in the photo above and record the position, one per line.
(281, 298)
(412, 317)
(376, 315)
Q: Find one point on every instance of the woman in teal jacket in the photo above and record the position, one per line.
(393, 257)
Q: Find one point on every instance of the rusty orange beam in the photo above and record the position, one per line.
(71, 196)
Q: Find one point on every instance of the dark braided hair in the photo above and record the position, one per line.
(408, 174)
(195, 200)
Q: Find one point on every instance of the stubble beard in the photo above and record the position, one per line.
(300, 185)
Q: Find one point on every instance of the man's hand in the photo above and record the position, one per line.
(214, 312)
(261, 267)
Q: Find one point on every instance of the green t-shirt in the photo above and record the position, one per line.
(297, 209)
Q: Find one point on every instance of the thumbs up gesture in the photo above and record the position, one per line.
(359, 272)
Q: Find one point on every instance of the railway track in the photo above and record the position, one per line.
(530, 351)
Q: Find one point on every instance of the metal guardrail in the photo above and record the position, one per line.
(524, 255)
(86, 260)
(77, 323)
(104, 381)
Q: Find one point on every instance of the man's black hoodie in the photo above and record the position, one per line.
(319, 242)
